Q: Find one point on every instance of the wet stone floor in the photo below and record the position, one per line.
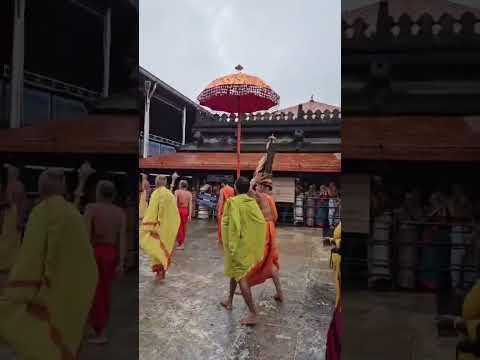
(181, 319)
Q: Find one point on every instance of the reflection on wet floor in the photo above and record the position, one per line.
(181, 319)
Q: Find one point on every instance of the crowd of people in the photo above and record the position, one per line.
(247, 216)
(432, 237)
(59, 267)
(246, 230)
(318, 206)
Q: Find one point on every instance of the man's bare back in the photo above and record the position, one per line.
(263, 203)
(184, 198)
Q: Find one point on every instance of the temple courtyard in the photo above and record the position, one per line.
(181, 319)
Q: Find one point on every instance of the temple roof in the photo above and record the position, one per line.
(310, 105)
(450, 138)
(414, 8)
(93, 134)
(296, 162)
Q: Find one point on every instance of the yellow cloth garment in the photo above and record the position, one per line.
(9, 239)
(471, 311)
(143, 205)
(159, 228)
(50, 290)
(336, 261)
(243, 235)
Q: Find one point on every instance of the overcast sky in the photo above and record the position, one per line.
(294, 47)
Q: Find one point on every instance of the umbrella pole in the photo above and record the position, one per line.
(239, 131)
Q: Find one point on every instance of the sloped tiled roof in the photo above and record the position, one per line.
(93, 134)
(289, 162)
(310, 105)
(412, 138)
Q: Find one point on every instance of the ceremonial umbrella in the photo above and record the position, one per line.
(238, 93)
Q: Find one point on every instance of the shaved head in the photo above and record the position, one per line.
(51, 182)
(160, 180)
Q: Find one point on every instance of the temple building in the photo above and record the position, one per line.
(60, 58)
(172, 115)
(411, 115)
(411, 57)
(307, 144)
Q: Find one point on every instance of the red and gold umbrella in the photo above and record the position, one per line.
(238, 93)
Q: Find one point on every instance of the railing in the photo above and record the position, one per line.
(158, 145)
(48, 83)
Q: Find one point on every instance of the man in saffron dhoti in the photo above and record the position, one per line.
(159, 228)
(185, 207)
(226, 192)
(107, 227)
(261, 188)
(45, 302)
(243, 234)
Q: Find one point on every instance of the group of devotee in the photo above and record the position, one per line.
(59, 269)
(317, 206)
(438, 230)
(246, 230)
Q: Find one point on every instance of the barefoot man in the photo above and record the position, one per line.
(185, 206)
(226, 192)
(159, 228)
(243, 235)
(261, 186)
(269, 267)
(45, 302)
(106, 224)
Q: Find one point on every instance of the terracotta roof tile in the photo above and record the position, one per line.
(289, 162)
(97, 134)
(411, 138)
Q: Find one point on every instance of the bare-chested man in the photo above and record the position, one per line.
(106, 224)
(270, 266)
(185, 206)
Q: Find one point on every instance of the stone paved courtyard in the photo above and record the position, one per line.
(181, 319)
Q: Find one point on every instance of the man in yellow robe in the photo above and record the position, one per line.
(243, 235)
(469, 324)
(46, 300)
(159, 228)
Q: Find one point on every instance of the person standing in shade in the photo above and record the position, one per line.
(243, 235)
(185, 206)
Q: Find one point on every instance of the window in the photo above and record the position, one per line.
(36, 107)
(65, 109)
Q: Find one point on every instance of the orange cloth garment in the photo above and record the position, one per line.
(263, 271)
(228, 192)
